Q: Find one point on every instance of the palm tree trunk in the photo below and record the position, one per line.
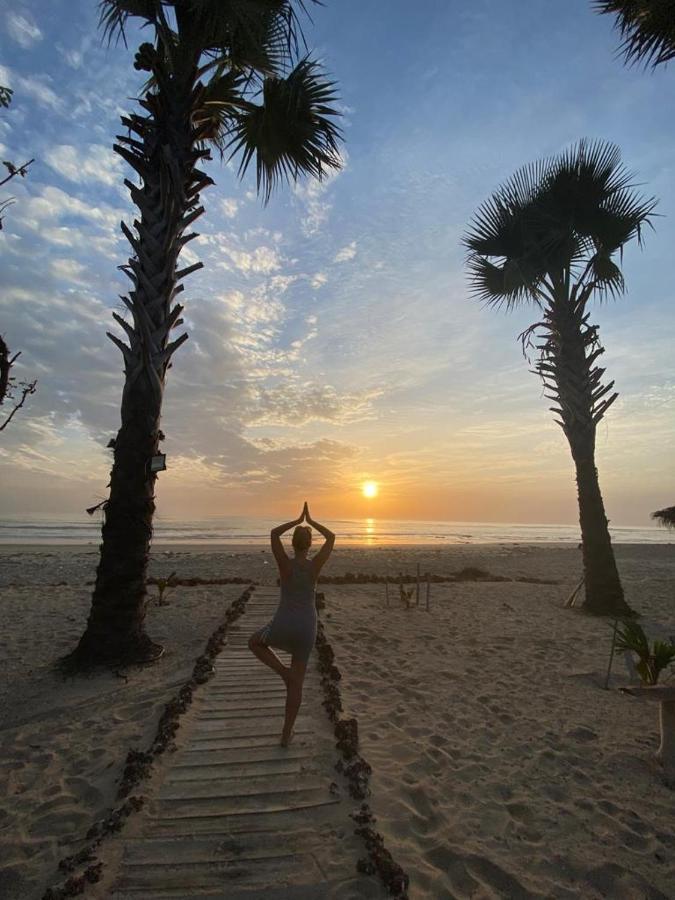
(568, 367)
(115, 630)
(603, 590)
(164, 154)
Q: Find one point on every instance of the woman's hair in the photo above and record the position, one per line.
(302, 538)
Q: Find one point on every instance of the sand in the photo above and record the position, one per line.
(501, 766)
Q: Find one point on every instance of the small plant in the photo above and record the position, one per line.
(406, 595)
(164, 585)
(652, 661)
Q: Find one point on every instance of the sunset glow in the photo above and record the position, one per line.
(370, 489)
(324, 342)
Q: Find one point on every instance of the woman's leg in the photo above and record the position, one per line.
(296, 677)
(269, 657)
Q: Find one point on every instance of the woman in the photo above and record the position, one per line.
(293, 627)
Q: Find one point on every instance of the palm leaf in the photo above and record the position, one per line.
(260, 35)
(291, 132)
(662, 656)
(632, 637)
(646, 26)
(665, 517)
(222, 97)
(553, 216)
(114, 14)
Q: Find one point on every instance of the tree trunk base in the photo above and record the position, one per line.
(124, 651)
(617, 610)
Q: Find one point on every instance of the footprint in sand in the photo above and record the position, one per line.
(64, 821)
(520, 811)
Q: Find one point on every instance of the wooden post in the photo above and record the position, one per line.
(428, 591)
(611, 655)
(417, 587)
(386, 591)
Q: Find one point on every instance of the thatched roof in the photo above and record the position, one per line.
(665, 517)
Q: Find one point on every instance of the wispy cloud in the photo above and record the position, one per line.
(229, 205)
(93, 162)
(316, 198)
(345, 253)
(298, 404)
(37, 87)
(22, 29)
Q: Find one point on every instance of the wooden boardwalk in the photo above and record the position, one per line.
(234, 815)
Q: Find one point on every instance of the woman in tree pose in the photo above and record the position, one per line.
(293, 627)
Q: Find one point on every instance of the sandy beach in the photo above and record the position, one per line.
(501, 768)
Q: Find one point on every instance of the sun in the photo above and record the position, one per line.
(370, 489)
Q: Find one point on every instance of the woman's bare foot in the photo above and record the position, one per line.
(286, 739)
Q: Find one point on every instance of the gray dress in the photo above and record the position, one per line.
(293, 627)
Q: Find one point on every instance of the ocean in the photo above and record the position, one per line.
(63, 529)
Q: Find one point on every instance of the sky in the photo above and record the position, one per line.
(333, 338)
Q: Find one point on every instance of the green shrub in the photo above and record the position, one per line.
(652, 661)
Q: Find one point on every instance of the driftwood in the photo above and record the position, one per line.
(575, 593)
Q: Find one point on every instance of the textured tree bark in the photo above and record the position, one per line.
(603, 590)
(115, 630)
(569, 356)
(164, 154)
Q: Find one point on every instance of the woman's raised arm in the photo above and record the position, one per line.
(278, 547)
(321, 557)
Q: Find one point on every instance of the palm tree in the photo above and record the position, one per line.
(646, 26)
(665, 517)
(548, 236)
(222, 73)
(648, 31)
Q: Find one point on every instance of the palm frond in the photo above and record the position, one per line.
(555, 216)
(260, 35)
(221, 99)
(665, 517)
(114, 14)
(631, 636)
(647, 28)
(291, 133)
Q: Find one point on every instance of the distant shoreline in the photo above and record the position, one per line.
(216, 546)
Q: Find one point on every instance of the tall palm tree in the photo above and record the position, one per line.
(222, 73)
(646, 26)
(547, 237)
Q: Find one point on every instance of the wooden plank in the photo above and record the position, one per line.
(233, 814)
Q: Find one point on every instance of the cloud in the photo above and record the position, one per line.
(312, 194)
(73, 56)
(260, 260)
(346, 253)
(90, 163)
(51, 204)
(23, 30)
(229, 206)
(319, 280)
(68, 270)
(296, 405)
(37, 87)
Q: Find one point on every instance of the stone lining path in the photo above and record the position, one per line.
(234, 815)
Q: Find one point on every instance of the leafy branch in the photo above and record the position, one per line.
(9, 387)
